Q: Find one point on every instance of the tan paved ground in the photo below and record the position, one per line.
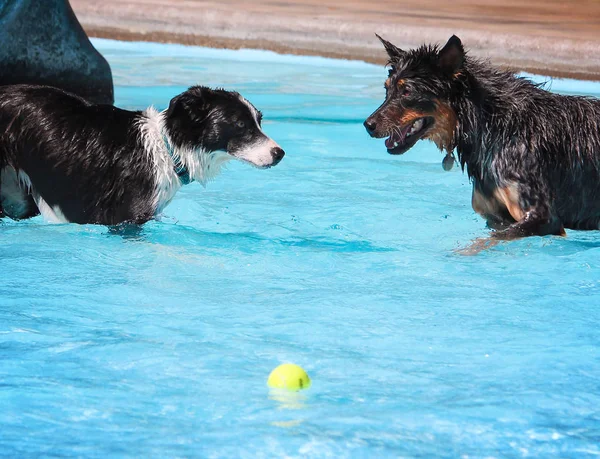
(560, 38)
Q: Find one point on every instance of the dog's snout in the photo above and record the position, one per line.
(370, 125)
(277, 154)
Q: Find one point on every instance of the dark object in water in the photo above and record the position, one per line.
(43, 43)
(533, 156)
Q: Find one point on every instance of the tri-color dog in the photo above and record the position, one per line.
(73, 161)
(533, 156)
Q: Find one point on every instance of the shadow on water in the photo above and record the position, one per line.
(128, 231)
(182, 235)
(248, 242)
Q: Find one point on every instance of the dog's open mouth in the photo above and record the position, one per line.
(402, 140)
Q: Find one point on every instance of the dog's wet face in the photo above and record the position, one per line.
(210, 120)
(416, 104)
(406, 116)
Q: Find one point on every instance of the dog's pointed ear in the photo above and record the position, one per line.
(452, 56)
(393, 51)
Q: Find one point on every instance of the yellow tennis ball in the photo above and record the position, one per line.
(289, 376)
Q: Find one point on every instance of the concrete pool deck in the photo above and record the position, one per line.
(548, 37)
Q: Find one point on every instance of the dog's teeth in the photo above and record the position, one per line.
(395, 144)
(417, 125)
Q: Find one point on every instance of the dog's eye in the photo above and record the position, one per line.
(240, 124)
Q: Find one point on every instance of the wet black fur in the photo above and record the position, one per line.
(511, 130)
(212, 118)
(89, 159)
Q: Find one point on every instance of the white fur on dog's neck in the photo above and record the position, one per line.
(202, 166)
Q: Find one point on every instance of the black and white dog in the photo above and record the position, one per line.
(73, 161)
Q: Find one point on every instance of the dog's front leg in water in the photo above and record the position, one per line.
(478, 245)
(534, 223)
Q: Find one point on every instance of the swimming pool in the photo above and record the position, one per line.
(339, 259)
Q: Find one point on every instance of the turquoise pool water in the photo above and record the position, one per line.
(339, 259)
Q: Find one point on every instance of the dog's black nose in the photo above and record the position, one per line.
(277, 154)
(370, 125)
